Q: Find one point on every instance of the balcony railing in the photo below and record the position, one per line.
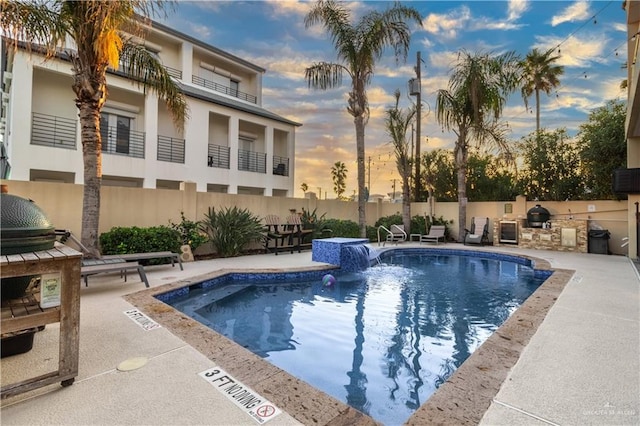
(174, 72)
(218, 156)
(280, 166)
(170, 149)
(224, 89)
(250, 161)
(122, 141)
(49, 130)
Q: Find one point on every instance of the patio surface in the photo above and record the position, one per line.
(581, 367)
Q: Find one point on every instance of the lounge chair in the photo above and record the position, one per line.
(396, 235)
(174, 257)
(436, 233)
(94, 267)
(479, 232)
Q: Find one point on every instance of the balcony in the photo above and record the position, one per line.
(280, 166)
(57, 132)
(223, 89)
(177, 74)
(170, 149)
(218, 156)
(250, 161)
(122, 141)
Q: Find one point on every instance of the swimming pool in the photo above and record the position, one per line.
(407, 328)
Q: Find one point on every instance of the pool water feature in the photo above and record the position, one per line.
(381, 340)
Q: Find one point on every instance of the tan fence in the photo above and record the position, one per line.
(142, 207)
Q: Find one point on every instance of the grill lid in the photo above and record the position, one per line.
(24, 226)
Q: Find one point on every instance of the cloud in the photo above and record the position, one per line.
(517, 9)
(288, 7)
(202, 32)
(447, 25)
(578, 11)
(575, 52)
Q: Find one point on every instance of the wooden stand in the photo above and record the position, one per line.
(27, 314)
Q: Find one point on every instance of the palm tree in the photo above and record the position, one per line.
(539, 74)
(397, 124)
(358, 47)
(471, 107)
(99, 30)
(339, 177)
(304, 187)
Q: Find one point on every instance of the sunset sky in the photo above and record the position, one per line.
(589, 36)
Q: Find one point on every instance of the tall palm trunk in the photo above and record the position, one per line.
(461, 169)
(406, 202)
(92, 157)
(362, 220)
(537, 111)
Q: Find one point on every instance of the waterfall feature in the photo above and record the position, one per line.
(355, 258)
(350, 254)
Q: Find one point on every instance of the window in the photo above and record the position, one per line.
(235, 87)
(116, 132)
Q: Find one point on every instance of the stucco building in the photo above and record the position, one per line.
(230, 143)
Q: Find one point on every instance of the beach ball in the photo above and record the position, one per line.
(328, 280)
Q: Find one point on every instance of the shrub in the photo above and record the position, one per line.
(190, 232)
(310, 220)
(231, 229)
(343, 228)
(123, 240)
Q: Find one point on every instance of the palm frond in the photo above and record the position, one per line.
(324, 75)
(33, 25)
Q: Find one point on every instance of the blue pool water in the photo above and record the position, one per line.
(381, 340)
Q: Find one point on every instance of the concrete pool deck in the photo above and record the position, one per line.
(582, 365)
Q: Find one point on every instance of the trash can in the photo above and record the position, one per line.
(599, 241)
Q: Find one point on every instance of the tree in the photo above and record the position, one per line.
(397, 123)
(339, 178)
(304, 187)
(551, 167)
(489, 180)
(358, 47)
(539, 74)
(98, 30)
(471, 108)
(603, 148)
(439, 174)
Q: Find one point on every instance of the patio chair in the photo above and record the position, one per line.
(278, 233)
(436, 233)
(396, 235)
(479, 232)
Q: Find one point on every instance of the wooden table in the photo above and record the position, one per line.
(25, 313)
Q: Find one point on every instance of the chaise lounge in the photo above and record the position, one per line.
(436, 233)
(479, 232)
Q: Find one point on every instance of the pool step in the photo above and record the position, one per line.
(212, 295)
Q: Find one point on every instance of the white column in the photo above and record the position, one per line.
(19, 124)
(186, 55)
(268, 145)
(234, 129)
(151, 140)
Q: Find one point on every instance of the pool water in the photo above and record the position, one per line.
(381, 340)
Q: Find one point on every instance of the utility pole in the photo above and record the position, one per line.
(418, 113)
(369, 174)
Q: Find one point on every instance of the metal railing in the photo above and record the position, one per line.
(224, 89)
(49, 130)
(175, 73)
(250, 161)
(123, 142)
(218, 156)
(280, 166)
(170, 149)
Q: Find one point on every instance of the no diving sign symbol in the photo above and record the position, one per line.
(246, 398)
(266, 411)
